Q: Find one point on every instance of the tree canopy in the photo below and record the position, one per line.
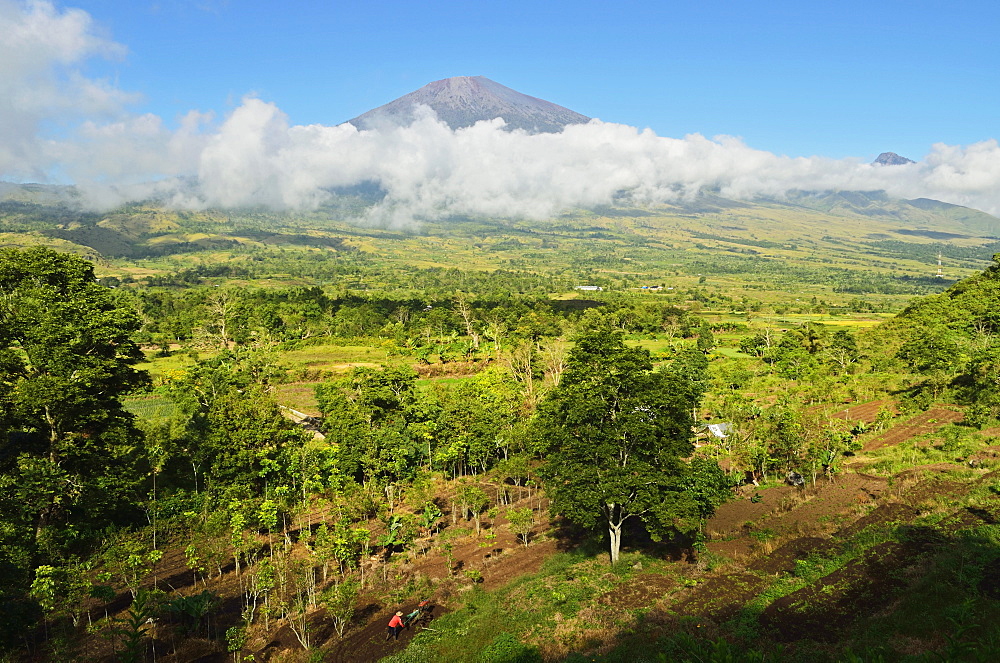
(614, 435)
(68, 450)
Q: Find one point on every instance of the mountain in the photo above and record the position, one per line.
(931, 218)
(39, 194)
(891, 159)
(464, 100)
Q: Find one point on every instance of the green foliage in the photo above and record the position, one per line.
(339, 601)
(474, 501)
(343, 544)
(236, 638)
(131, 629)
(430, 516)
(397, 532)
(506, 648)
(62, 590)
(228, 465)
(613, 433)
(192, 610)
(479, 422)
(934, 350)
(69, 464)
(231, 430)
(521, 522)
(378, 422)
(685, 648)
(130, 560)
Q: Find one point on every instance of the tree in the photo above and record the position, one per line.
(521, 523)
(478, 421)
(66, 360)
(843, 350)
(231, 430)
(339, 601)
(474, 501)
(614, 434)
(981, 386)
(378, 420)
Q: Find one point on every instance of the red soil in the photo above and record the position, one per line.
(921, 424)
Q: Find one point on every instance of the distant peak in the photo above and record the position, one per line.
(891, 159)
(461, 101)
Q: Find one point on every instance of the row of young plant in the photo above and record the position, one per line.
(288, 559)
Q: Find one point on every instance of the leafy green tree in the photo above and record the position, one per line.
(759, 344)
(786, 437)
(843, 350)
(521, 522)
(478, 421)
(932, 350)
(66, 360)
(341, 544)
(339, 601)
(234, 432)
(935, 352)
(130, 561)
(706, 339)
(981, 386)
(430, 517)
(791, 357)
(62, 590)
(378, 420)
(474, 502)
(614, 434)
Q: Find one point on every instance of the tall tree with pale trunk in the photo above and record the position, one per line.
(614, 434)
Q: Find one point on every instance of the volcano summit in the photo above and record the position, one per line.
(464, 100)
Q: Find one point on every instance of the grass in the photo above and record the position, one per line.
(164, 368)
(952, 443)
(947, 591)
(150, 407)
(797, 253)
(551, 607)
(299, 396)
(334, 357)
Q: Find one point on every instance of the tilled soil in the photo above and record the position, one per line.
(822, 609)
(921, 424)
(371, 642)
(764, 537)
(866, 412)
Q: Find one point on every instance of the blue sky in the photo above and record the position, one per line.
(794, 78)
(230, 103)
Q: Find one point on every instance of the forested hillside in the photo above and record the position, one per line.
(218, 460)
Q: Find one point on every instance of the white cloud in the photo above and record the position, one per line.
(255, 156)
(41, 49)
(429, 170)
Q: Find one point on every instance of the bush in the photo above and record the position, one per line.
(506, 648)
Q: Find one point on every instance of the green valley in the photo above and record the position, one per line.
(255, 436)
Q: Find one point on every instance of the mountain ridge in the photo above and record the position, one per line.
(461, 101)
(891, 159)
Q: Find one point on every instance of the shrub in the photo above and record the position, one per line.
(506, 648)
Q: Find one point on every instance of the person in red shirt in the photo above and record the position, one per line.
(395, 626)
